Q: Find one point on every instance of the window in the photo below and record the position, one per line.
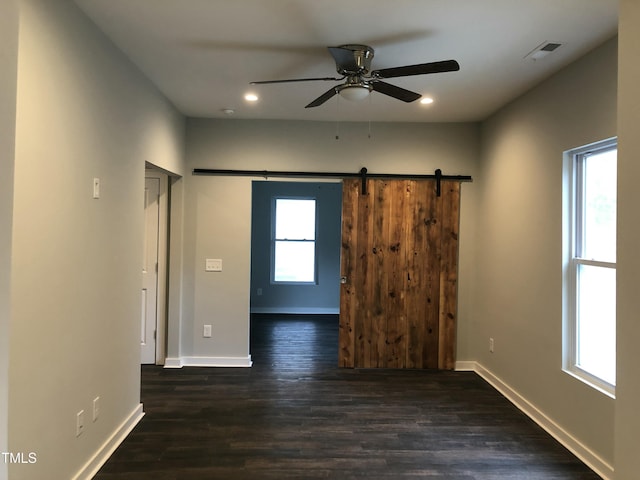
(590, 349)
(294, 240)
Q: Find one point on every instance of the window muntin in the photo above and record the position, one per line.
(294, 242)
(591, 352)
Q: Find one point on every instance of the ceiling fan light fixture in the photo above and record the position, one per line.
(354, 92)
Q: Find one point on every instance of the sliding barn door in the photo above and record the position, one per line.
(399, 264)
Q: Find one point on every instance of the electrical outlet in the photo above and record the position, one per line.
(96, 408)
(259, 291)
(207, 331)
(79, 423)
(213, 265)
(491, 344)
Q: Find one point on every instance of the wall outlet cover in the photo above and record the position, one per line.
(213, 265)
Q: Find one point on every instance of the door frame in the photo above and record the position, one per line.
(163, 260)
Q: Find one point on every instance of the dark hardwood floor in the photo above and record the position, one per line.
(295, 415)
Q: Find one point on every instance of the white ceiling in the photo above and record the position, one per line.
(202, 54)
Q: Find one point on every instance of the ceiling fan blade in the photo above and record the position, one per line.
(322, 98)
(395, 92)
(420, 69)
(264, 82)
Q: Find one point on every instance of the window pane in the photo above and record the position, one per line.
(597, 321)
(295, 219)
(294, 261)
(599, 210)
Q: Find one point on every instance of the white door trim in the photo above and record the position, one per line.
(161, 303)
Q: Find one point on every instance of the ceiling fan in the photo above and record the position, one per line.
(353, 62)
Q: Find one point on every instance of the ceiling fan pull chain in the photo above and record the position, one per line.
(338, 117)
(370, 110)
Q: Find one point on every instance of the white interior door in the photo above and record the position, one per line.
(150, 271)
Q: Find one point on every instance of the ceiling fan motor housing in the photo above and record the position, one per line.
(360, 64)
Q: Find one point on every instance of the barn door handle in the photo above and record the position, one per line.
(343, 279)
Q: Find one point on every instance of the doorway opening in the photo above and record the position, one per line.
(153, 319)
(395, 270)
(289, 303)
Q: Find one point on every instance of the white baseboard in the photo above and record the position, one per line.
(106, 450)
(581, 451)
(297, 310)
(466, 366)
(173, 362)
(208, 362)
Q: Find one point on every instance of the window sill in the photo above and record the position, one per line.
(593, 382)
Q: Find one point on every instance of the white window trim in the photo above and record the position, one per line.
(571, 265)
(272, 273)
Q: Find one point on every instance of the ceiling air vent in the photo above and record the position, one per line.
(543, 50)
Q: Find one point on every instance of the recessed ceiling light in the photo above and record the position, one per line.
(426, 100)
(251, 97)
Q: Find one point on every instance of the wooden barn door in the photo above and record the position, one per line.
(399, 264)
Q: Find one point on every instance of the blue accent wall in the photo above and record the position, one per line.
(324, 296)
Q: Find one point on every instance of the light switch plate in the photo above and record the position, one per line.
(213, 265)
(79, 423)
(96, 408)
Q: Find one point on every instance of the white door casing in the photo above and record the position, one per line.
(149, 295)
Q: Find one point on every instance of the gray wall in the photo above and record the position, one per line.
(627, 425)
(324, 296)
(83, 111)
(218, 209)
(8, 89)
(519, 274)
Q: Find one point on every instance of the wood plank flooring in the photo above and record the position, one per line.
(296, 415)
